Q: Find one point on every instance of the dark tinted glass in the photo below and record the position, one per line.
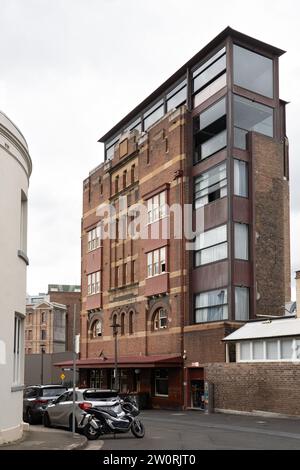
(100, 394)
(253, 71)
(210, 131)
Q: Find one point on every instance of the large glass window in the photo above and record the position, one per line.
(211, 245)
(210, 185)
(240, 178)
(211, 306)
(241, 303)
(272, 350)
(258, 350)
(209, 77)
(241, 241)
(177, 96)
(245, 351)
(153, 114)
(286, 348)
(250, 116)
(210, 131)
(253, 71)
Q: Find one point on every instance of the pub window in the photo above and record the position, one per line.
(210, 133)
(161, 382)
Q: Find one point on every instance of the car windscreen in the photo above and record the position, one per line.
(53, 392)
(99, 395)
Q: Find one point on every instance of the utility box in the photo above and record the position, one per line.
(208, 397)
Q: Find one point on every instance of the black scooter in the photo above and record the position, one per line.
(118, 418)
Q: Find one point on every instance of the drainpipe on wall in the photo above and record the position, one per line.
(298, 293)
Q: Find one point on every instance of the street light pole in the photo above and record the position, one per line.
(42, 365)
(74, 370)
(115, 327)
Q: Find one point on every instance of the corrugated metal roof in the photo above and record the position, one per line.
(266, 329)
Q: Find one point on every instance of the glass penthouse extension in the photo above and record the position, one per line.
(251, 74)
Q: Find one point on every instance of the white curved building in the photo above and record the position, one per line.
(15, 170)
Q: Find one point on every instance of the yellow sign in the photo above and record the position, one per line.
(62, 376)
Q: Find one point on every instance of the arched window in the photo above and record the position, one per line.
(130, 323)
(123, 324)
(132, 173)
(160, 319)
(117, 184)
(97, 329)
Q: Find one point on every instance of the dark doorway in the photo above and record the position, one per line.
(197, 394)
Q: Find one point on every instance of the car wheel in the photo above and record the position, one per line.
(29, 416)
(46, 420)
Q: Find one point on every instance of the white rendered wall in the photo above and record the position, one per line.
(15, 169)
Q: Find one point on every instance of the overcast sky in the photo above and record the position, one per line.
(70, 69)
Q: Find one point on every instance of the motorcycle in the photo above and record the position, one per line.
(118, 418)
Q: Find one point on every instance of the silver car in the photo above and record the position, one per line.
(60, 411)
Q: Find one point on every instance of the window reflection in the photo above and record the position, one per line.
(210, 134)
(250, 116)
(253, 71)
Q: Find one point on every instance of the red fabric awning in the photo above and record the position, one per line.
(125, 362)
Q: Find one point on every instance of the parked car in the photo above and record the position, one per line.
(59, 412)
(36, 398)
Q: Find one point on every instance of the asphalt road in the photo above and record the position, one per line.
(167, 430)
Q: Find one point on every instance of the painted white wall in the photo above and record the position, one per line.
(15, 169)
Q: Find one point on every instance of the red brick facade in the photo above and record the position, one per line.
(272, 387)
(143, 165)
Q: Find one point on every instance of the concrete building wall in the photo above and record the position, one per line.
(15, 169)
(272, 387)
(41, 370)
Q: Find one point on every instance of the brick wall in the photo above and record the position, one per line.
(272, 387)
(271, 216)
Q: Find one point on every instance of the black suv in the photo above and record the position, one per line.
(36, 398)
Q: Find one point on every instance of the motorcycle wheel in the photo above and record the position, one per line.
(91, 433)
(138, 429)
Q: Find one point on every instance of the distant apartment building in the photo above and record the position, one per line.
(15, 171)
(213, 137)
(70, 296)
(45, 326)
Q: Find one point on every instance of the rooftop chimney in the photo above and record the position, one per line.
(298, 293)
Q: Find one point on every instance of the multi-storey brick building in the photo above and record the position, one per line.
(212, 136)
(45, 326)
(70, 296)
